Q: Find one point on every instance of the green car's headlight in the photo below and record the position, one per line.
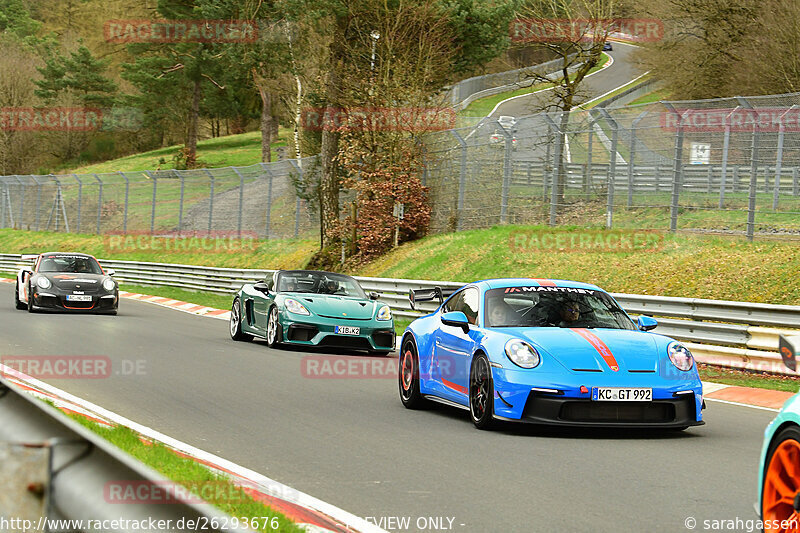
(293, 306)
(384, 313)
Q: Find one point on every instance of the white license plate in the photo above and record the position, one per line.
(79, 298)
(347, 330)
(621, 394)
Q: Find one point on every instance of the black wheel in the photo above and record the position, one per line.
(17, 302)
(236, 323)
(481, 393)
(30, 299)
(408, 376)
(780, 496)
(274, 331)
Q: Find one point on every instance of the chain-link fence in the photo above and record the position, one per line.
(726, 165)
(258, 200)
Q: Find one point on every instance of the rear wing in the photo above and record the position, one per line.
(29, 257)
(426, 295)
(790, 349)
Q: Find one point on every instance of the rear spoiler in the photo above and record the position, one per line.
(426, 295)
(790, 349)
(29, 257)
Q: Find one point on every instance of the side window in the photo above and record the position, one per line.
(454, 303)
(469, 304)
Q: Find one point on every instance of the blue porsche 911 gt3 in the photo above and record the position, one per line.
(546, 351)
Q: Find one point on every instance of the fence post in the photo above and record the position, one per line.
(462, 178)
(125, 209)
(80, 196)
(301, 176)
(507, 162)
(241, 202)
(779, 158)
(612, 167)
(210, 200)
(38, 199)
(266, 169)
(153, 203)
(677, 171)
(751, 204)
(795, 187)
(180, 202)
(726, 141)
(99, 200)
(710, 178)
(5, 199)
(21, 202)
(736, 178)
(632, 150)
(588, 184)
(553, 127)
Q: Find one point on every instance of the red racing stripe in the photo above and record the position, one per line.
(545, 282)
(454, 386)
(600, 346)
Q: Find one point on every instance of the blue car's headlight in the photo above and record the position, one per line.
(522, 354)
(680, 356)
(43, 282)
(293, 306)
(384, 313)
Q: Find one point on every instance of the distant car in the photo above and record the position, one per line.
(509, 123)
(499, 139)
(607, 47)
(548, 352)
(779, 477)
(312, 308)
(66, 282)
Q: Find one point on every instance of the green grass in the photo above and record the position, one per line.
(743, 378)
(649, 98)
(230, 150)
(482, 106)
(190, 474)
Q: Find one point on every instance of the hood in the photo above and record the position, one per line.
(74, 280)
(596, 350)
(333, 306)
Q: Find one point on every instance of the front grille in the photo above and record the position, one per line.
(383, 338)
(587, 411)
(343, 341)
(301, 332)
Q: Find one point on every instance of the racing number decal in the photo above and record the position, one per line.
(600, 346)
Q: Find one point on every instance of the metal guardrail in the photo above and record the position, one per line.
(55, 468)
(751, 328)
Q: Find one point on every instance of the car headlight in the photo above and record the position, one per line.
(293, 306)
(384, 313)
(680, 356)
(43, 282)
(109, 285)
(522, 354)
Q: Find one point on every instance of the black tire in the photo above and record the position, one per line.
(481, 393)
(30, 299)
(235, 324)
(274, 331)
(790, 482)
(17, 303)
(408, 376)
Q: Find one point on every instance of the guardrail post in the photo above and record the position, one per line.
(99, 200)
(462, 178)
(38, 199)
(153, 202)
(632, 156)
(125, 212)
(301, 176)
(180, 203)
(241, 202)
(210, 200)
(266, 169)
(779, 158)
(726, 141)
(677, 170)
(751, 205)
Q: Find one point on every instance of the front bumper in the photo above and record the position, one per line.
(57, 300)
(524, 396)
(374, 335)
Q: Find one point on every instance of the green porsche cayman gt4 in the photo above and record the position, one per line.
(312, 308)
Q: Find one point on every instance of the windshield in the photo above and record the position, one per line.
(70, 263)
(319, 283)
(562, 307)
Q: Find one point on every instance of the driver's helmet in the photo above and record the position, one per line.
(331, 285)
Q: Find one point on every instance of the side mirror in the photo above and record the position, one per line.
(789, 348)
(646, 323)
(261, 287)
(110, 272)
(374, 295)
(457, 319)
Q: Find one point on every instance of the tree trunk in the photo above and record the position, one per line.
(266, 125)
(191, 140)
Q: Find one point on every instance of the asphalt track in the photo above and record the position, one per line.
(619, 73)
(351, 443)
